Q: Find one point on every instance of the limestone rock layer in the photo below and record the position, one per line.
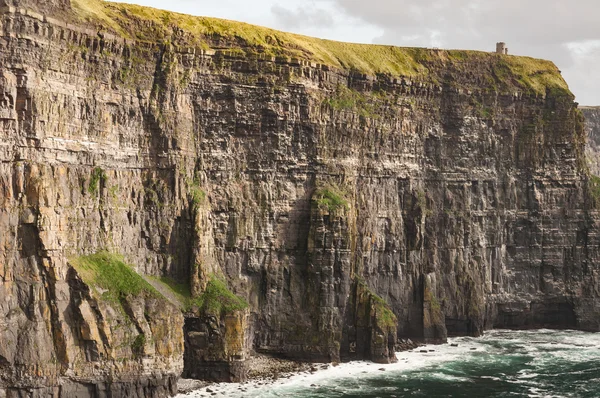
(312, 212)
(592, 129)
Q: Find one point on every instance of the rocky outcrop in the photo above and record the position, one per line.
(298, 204)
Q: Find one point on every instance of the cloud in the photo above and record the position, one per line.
(531, 21)
(322, 18)
(583, 75)
(551, 29)
(565, 32)
(302, 17)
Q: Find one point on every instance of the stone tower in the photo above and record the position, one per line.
(501, 48)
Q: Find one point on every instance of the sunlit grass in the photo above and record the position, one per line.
(153, 25)
(108, 275)
(216, 299)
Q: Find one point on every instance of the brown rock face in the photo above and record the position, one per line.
(348, 211)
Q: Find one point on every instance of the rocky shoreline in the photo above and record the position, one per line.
(265, 369)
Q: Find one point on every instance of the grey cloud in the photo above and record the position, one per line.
(548, 29)
(583, 76)
(539, 28)
(532, 21)
(306, 16)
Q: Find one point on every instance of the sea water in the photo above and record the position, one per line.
(541, 363)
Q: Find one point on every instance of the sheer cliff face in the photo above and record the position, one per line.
(346, 210)
(592, 129)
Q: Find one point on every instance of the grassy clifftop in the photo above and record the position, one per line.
(152, 25)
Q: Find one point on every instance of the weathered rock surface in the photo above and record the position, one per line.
(592, 129)
(347, 210)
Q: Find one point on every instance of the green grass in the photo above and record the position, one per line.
(138, 344)
(181, 290)
(98, 175)
(594, 188)
(124, 19)
(330, 198)
(95, 10)
(198, 194)
(112, 279)
(217, 299)
(383, 313)
(345, 98)
(539, 76)
(437, 317)
(158, 26)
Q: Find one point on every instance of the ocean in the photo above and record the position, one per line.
(541, 363)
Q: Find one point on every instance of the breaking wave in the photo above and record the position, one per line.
(541, 363)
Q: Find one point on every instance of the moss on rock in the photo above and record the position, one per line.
(330, 198)
(216, 299)
(594, 189)
(98, 176)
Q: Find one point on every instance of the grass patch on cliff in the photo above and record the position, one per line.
(198, 195)
(379, 309)
(383, 314)
(436, 314)
(330, 198)
(108, 275)
(537, 75)
(252, 39)
(181, 291)
(137, 346)
(216, 299)
(95, 10)
(98, 176)
(131, 21)
(594, 188)
(345, 98)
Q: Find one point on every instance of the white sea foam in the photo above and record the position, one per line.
(542, 350)
(351, 372)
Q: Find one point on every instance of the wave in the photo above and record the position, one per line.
(543, 363)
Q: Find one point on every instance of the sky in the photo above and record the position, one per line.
(564, 31)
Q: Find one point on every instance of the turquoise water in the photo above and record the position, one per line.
(539, 363)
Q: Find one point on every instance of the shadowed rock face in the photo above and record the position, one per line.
(347, 211)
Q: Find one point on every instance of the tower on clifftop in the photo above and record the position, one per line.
(501, 48)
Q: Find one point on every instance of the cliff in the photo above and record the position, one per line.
(178, 192)
(592, 130)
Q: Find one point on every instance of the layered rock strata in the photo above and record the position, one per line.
(592, 130)
(302, 209)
